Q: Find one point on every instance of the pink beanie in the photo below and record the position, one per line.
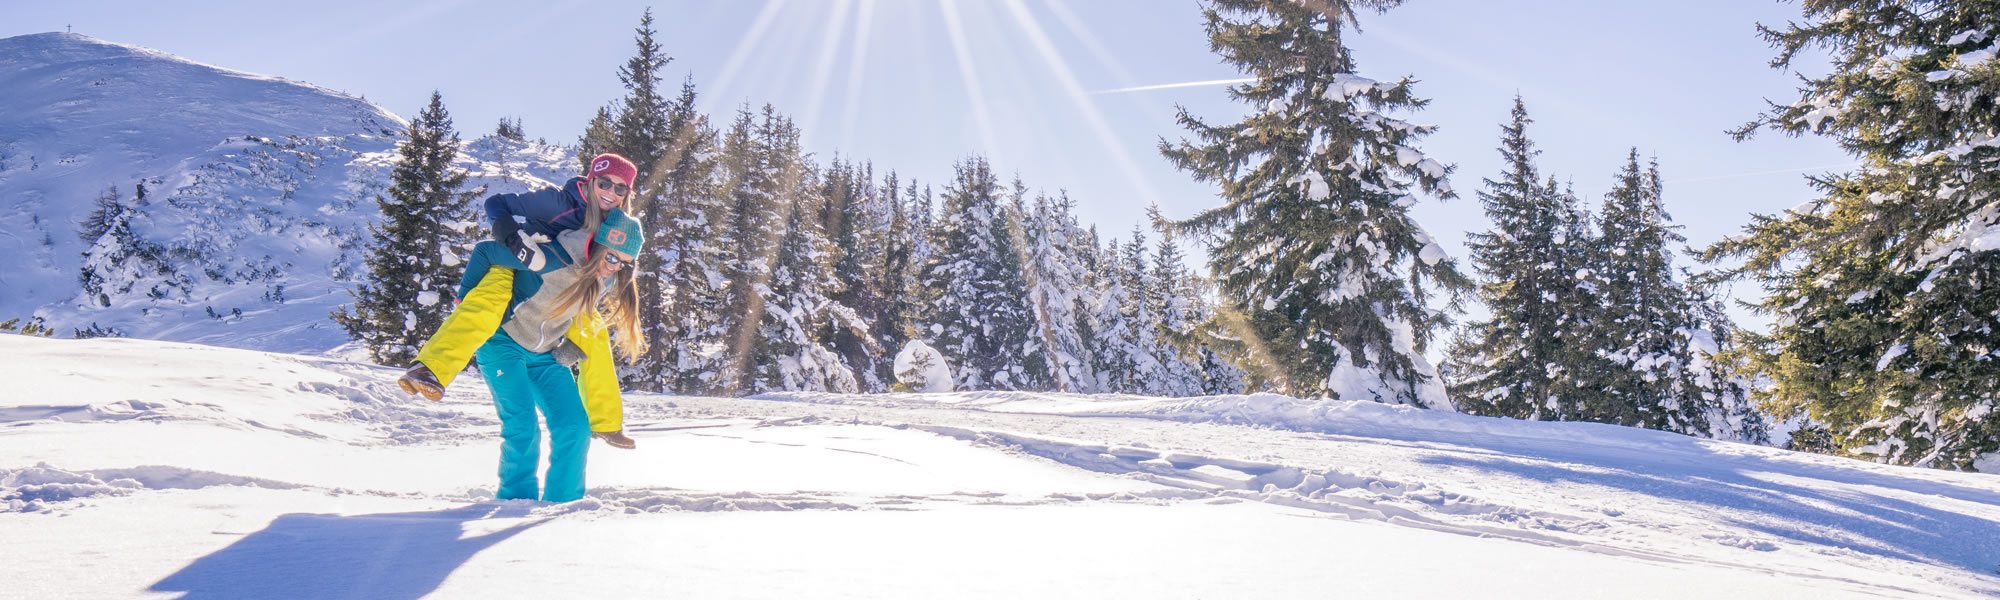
(612, 164)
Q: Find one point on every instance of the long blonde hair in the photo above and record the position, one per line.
(587, 291)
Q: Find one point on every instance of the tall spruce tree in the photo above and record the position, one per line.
(1511, 364)
(854, 221)
(788, 354)
(980, 316)
(1634, 272)
(643, 127)
(684, 236)
(1143, 343)
(1114, 355)
(1883, 287)
(1314, 243)
(900, 289)
(757, 155)
(1039, 368)
(414, 265)
(1178, 316)
(1656, 346)
(1055, 288)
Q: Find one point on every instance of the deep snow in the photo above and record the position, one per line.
(142, 468)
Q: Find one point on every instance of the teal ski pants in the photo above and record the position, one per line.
(522, 382)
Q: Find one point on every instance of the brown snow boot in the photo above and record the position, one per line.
(617, 439)
(420, 381)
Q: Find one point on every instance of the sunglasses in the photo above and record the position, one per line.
(604, 183)
(615, 261)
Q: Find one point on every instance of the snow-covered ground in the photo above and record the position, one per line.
(142, 468)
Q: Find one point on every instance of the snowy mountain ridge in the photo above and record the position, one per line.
(258, 193)
(233, 473)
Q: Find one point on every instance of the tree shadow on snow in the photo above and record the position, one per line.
(1852, 518)
(302, 555)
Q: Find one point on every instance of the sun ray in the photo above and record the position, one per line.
(857, 67)
(740, 54)
(835, 26)
(967, 72)
(1082, 34)
(1046, 50)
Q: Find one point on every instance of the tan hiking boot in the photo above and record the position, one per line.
(420, 381)
(617, 439)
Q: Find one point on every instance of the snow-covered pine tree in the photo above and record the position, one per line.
(114, 248)
(751, 170)
(788, 354)
(923, 229)
(1883, 288)
(414, 264)
(900, 307)
(685, 238)
(643, 128)
(853, 220)
(1089, 254)
(1655, 344)
(1143, 343)
(1218, 352)
(510, 129)
(1511, 363)
(980, 318)
(107, 213)
(1314, 244)
(1584, 307)
(1633, 276)
(1715, 378)
(1055, 286)
(598, 138)
(1091, 258)
(1176, 309)
(923, 250)
(1114, 357)
(1015, 212)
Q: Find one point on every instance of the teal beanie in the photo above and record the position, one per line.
(620, 232)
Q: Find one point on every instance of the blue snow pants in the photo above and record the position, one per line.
(523, 381)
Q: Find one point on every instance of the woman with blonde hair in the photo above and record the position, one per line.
(519, 322)
(523, 223)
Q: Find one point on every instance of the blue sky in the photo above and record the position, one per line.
(892, 81)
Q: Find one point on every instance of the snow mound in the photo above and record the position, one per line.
(922, 368)
(41, 487)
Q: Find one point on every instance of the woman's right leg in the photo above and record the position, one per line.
(505, 365)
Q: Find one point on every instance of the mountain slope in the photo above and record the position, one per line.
(259, 191)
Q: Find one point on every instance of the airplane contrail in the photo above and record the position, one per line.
(1168, 86)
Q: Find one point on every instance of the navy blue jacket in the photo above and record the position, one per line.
(546, 211)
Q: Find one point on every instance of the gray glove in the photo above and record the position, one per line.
(567, 354)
